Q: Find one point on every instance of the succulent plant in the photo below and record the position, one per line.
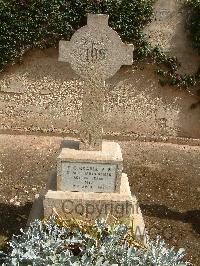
(52, 242)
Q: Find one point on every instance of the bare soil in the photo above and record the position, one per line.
(27, 160)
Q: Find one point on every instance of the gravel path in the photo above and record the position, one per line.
(170, 204)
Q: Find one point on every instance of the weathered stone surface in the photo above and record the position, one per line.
(95, 52)
(135, 104)
(13, 85)
(37, 210)
(91, 129)
(96, 171)
(168, 30)
(91, 205)
(88, 177)
(168, 14)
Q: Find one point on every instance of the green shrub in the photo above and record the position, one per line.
(42, 23)
(29, 24)
(194, 22)
(77, 244)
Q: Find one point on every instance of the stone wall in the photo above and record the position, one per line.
(43, 94)
(169, 31)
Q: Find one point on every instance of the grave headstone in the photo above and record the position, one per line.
(95, 52)
(89, 181)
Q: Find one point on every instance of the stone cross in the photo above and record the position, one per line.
(95, 52)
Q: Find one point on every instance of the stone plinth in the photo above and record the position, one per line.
(90, 171)
(114, 201)
(90, 206)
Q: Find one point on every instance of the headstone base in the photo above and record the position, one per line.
(90, 206)
(116, 203)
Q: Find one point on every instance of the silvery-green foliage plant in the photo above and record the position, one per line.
(47, 243)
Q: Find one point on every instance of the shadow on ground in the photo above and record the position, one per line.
(12, 218)
(163, 212)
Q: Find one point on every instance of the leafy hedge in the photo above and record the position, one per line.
(28, 24)
(194, 22)
(42, 23)
(73, 243)
(167, 66)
